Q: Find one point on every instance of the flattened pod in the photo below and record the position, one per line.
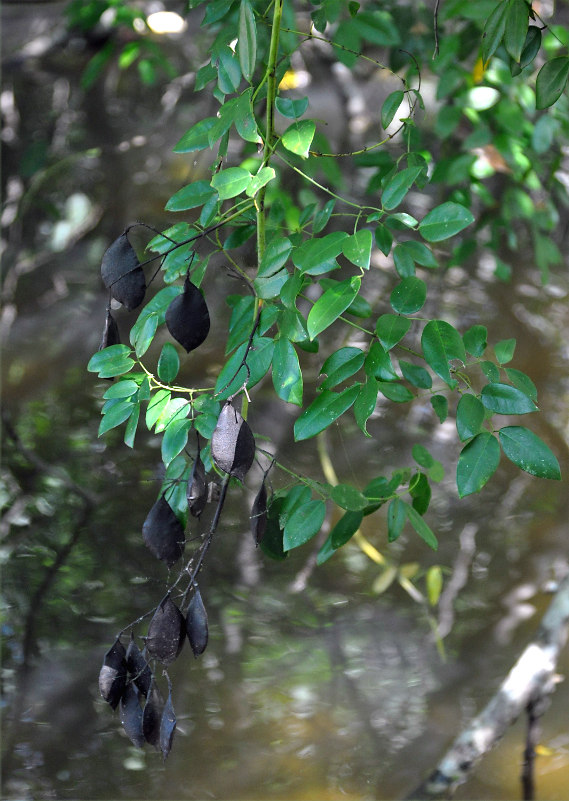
(196, 624)
(167, 726)
(166, 632)
(112, 676)
(111, 334)
(122, 274)
(196, 492)
(163, 533)
(259, 515)
(138, 668)
(232, 443)
(131, 715)
(152, 716)
(187, 317)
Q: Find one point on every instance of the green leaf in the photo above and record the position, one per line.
(365, 403)
(258, 361)
(531, 47)
(395, 392)
(469, 417)
(523, 382)
(244, 119)
(228, 72)
(504, 350)
(445, 221)
(420, 491)
(377, 27)
(231, 182)
(378, 364)
(293, 108)
(551, 81)
(490, 370)
(117, 414)
(526, 450)
(323, 411)
(125, 388)
(322, 217)
(143, 331)
(303, 524)
(409, 295)
(396, 189)
(168, 363)
(357, 248)
(259, 180)
(190, 197)
(331, 304)
(391, 329)
(348, 497)
(416, 375)
(318, 255)
(506, 399)
(197, 138)
(383, 239)
(247, 44)
(131, 426)
(390, 106)
(345, 529)
(272, 542)
(403, 261)
(476, 339)
(287, 376)
(440, 407)
(441, 343)
(275, 256)
(298, 137)
(396, 517)
(420, 253)
(112, 361)
(175, 409)
(175, 439)
(156, 406)
(494, 30)
(517, 21)
(477, 463)
(342, 364)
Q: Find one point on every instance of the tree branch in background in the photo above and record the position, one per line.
(527, 687)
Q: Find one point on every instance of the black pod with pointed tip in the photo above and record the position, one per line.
(187, 317)
(131, 715)
(152, 715)
(138, 668)
(167, 726)
(196, 492)
(163, 533)
(112, 676)
(122, 274)
(259, 515)
(232, 443)
(166, 633)
(196, 624)
(111, 334)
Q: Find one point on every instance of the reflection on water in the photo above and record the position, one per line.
(328, 693)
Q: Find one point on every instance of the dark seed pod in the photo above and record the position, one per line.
(131, 715)
(259, 515)
(232, 443)
(196, 492)
(166, 632)
(122, 274)
(163, 533)
(138, 668)
(187, 317)
(111, 334)
(167, 726)
(112, 676)
(196, 624)
(152, 715)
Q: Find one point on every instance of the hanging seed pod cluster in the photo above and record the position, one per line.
(131, 679)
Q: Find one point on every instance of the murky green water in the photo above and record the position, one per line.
(315, 689)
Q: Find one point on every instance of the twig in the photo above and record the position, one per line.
(530, 682)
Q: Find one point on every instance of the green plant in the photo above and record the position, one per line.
(293, 308)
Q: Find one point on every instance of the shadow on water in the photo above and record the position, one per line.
(311, 688)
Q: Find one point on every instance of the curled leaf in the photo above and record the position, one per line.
(196, 624)
(232, 443)
(131, 715)
(166, 632)
(138, 668)
(187, 317)
(167, 726)
(111, 334)
(112, 676)
(122, 274)
(152, 715)
(259, 515)
(197, 491)
(163, 533)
